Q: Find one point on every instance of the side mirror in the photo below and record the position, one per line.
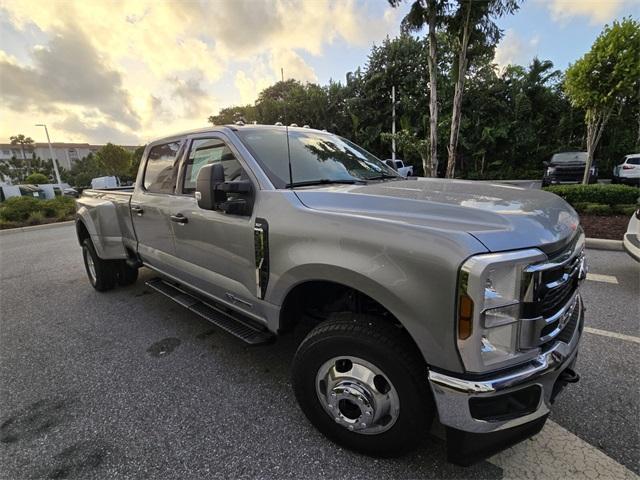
(213, 193)
(209, 177)
(545, 163)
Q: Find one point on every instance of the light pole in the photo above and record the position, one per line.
(393, 125)
(53, 158)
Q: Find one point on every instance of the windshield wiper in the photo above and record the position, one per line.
(323, 181)
(383, 176)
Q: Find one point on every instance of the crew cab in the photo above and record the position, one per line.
(423, 298)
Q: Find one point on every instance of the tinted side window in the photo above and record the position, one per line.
(159, 175)
(634, 161)
(210, 150)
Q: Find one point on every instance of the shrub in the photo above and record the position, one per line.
(35, 218)
(626, 210)
(601, 194)
(18, 209)
(60, 207)
(597, 209)
(36, 178)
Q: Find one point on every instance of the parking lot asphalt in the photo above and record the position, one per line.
(126, 384)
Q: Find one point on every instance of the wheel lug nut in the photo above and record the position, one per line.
(337, 419)
(363, 424)
(367, 413)
(350, 427)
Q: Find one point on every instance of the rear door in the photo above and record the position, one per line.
(152, 203)
(216, 249)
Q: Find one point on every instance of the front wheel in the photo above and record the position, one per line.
(361, 381)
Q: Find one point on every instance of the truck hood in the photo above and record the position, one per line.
(502, 217)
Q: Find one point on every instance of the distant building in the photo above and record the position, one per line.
(66, 153)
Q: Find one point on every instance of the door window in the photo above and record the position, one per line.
(160, 174)
(210, 150)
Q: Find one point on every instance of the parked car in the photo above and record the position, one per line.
(31, 191)
(70, 192)
(399, 167)
(429, 298)
(568, 167)
(631, 239)
(628, 171)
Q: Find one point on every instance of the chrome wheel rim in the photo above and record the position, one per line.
(91, 267)
(357, 395)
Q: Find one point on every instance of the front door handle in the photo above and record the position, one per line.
(179, 218)
(137, 209)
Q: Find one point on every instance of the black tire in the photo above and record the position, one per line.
(387, 347)
(103, 277)
(126, 275)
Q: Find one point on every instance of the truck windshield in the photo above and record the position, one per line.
(569, 157)
(316, 157)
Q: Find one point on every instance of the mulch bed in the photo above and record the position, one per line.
(610, 227)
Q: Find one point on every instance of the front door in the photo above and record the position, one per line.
(215, 248)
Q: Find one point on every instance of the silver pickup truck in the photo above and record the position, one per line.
(423, 298)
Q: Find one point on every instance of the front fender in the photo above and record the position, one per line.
(425, 331)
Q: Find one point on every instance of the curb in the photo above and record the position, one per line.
(36, 227)
(604, 244)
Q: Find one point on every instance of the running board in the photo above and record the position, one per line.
(239, 327)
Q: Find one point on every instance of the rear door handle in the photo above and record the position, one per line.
(179, 218)
(137, 209)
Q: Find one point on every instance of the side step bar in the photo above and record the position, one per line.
(242, 328)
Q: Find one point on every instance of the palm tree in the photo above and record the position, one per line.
(21, 140)
(429, 13)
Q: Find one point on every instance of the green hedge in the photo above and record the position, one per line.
(600, 194)
(33, 210)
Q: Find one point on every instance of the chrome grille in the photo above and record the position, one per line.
(552, 295)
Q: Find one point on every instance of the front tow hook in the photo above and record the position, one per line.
(567, 376)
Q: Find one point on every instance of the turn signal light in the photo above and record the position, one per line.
(465, 316)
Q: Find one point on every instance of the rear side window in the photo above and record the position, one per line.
(634, 161)
(210, 150)
(160, 174)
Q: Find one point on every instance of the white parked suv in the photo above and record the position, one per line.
(628, 171)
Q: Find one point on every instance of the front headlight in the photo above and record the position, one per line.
(551, 170)
(593, 170)
(491, 289)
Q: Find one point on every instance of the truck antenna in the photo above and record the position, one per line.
(286, 129)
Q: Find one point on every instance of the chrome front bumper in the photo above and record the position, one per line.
(452, 394)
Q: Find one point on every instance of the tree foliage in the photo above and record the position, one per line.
(114, 160)
(36, 178)
(605, 79)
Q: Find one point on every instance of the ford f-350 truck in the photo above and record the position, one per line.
(429, 298)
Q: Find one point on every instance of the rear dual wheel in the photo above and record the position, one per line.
(362, 382)
(106, 274)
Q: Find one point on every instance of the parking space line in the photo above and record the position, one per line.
(557, 453)
(605, 333)
(596, 277)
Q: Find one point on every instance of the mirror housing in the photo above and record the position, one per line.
(212, 191)
(209, 177)
(545, 163)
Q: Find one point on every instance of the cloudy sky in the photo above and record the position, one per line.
(127, 71)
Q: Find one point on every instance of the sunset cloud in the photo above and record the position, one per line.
(135, 66)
